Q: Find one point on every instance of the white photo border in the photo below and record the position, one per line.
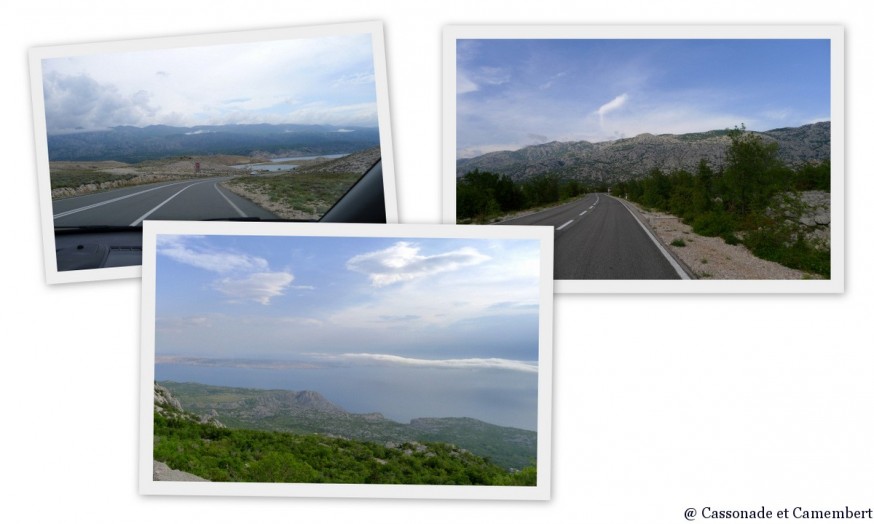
(834, 33)
(148, 486)
(37, 54)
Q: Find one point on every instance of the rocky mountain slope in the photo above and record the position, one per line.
(630, 158)
(308, 412)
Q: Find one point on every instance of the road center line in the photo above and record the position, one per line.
(98, 204)
(584, 212)
(683, 275)
(566, 224)
(137, 221)
(229, 201)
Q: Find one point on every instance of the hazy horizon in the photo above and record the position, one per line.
(408, 327)
(277, 124)
(513, 93)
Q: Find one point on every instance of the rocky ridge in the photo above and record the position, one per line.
(629, 158)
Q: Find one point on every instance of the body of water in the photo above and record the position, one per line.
(274, 166)
(499, 397)
(288, 158)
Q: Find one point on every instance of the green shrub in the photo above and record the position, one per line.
(781, 246)
(714, 223)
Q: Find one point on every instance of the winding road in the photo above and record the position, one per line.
(600, 238)
(199, 199)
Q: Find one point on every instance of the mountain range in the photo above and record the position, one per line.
(308, 412)
(629, 158)
(136, 144)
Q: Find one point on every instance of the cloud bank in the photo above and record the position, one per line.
(403, 262)
(455, 363)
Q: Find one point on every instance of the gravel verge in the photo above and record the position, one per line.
(710, 258)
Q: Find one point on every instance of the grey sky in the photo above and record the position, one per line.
(325, 80)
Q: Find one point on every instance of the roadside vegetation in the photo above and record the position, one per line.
(78, 176)
(481, 197)
(753, 200)
(308, 191)
(244, 455)
(295, 195)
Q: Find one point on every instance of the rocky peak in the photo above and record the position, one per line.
(164, 399)
(168, 405)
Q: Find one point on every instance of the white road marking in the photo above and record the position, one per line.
(98, 204)
(137, 221)
(584, 212)
(566, 224)
(683, 275)
(229, 201)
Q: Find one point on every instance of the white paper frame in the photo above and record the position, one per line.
(37, 54)
(831, 32)
(541, 491)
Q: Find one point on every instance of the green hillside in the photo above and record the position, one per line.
(309, 413)
(243, 455)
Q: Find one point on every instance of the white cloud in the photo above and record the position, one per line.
(455, 363)
(612, 105)
(463, 84)
(257, 287)
(402, 262)
(75, 102)
(472, 80)
(176, 248)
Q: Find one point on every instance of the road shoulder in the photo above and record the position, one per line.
(710, 258)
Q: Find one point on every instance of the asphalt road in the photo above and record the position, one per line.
(598, 238)
(200, 199)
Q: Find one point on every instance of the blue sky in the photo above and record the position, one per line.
(324, 80)
(515, 93)
(333, 313)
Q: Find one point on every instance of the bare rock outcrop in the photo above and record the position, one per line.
(163, 472)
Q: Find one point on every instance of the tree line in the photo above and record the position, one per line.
(481, 196)
(737, 202)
